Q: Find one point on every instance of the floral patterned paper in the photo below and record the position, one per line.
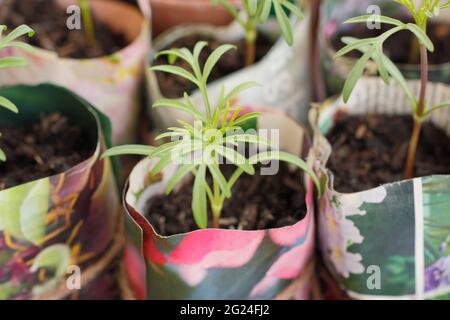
(218, 263)
(56, 222)
(111, 83)
(334, 13)
(391, 242)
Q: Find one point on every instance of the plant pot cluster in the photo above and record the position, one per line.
(358, 205)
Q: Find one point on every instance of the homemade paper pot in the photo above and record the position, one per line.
(334, 13)
(398, 232)
(112, 83)
(50, 225)
(283, 73)
(220, 263)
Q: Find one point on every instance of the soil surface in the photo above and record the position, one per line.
(49, 20)
(401, 47)
(258, 202)
(371, 150)
(46, 148)
(174, 86)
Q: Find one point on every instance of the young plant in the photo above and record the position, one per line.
(88, 24)
(10, 41)
(372, 49)
(258, 11)
(200, 147)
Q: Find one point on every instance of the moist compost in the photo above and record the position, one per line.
(371, 150)
(49, 21)
(174, 86)
(258, 202)
(48, 147)
(400, 47)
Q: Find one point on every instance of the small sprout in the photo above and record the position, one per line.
(372, 49)
(199, 147)
(258, 11)
(10, 41)
(88, 24)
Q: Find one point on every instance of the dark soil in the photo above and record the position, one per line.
(48, 20)
(173, 86)
(46, 148)
(258, 202)
(370, 151)
(400, 46)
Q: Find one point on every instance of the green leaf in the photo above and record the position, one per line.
(18, 32)
(381, 19)
(55, 257)
(162, 163)
(213, 58)
(34, 210)
(294, 9)
(12, 62)
(177, 104)
(178, 71)
(16, 44)
(289, 158)
(252, 7)
(355, 74)
(5, 103)
(220, 179)
(181, 172)
(235, 158)
(237, 90)
(246, 117)
(199, 203)
(356, 44)
(378, 58)
(284, 23)
(250, 138)
(2, 158)
(421, 35)
(164, 147)
(265, 12)
(131, 149)
(444, 104)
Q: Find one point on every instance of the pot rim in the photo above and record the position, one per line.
(89, 110)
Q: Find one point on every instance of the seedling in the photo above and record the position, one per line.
(372, 49)
(211, 137)
(258, 11)
(88, 24)
(10, 41)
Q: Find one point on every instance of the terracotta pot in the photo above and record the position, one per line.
(205, 264)
(389, 242)
(57, 221)
(112, 83)
(170, 13)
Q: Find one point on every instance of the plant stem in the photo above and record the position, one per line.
(409, 172)
(250, 41)
(216, 206)
(88, 23)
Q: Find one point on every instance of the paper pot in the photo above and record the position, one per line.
(219, 263)
(52, 226)
(112, 83)
(170, 13)
(334, 13)
(282, 73)
(390, 242)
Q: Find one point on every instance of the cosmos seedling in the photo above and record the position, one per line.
(258, 11)
(88, 24)
(10, 41)
(372, 49)
(199, 147)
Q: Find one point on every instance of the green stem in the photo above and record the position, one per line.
(88, 23)
(216, 205)
(250, 41)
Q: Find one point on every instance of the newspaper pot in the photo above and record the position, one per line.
(112, 83)
(389, 242)
(219, 263)
(170, 13)
(52, 226)
(335, 12)
(282, 73)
